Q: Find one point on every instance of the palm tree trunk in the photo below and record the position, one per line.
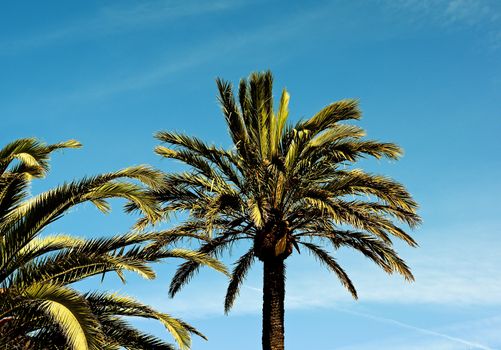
(273, 304)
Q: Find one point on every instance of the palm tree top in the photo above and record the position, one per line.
(286, 185)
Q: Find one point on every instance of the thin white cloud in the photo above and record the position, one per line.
(437, 334)
(451, 14)
(208, 50)
(195, 304)
(469, 11)
(453, 266)
(115, 19)
(448, 11)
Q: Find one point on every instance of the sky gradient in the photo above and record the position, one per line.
(427, 75)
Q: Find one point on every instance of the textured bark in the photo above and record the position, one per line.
(273, 304)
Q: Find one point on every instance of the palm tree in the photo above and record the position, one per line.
(38, 307)
(283, 186)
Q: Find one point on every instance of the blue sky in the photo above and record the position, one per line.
(427, 74)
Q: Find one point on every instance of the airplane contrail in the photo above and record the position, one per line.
(418, 329)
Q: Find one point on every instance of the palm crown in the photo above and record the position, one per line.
(38, 308)
(285, 186)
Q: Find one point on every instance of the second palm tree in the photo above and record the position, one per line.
(285, 187)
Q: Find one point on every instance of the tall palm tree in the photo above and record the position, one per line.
(38, 307)
(285, 186)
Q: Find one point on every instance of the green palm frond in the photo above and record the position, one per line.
(69, 311)
(120, 334)
(198, 258)
(238, 274)
(25, 221)
(330, 115)
(112, 305)
(32, 155)
(325, 258)
(13, 189)
(189, 268)
(371, 247)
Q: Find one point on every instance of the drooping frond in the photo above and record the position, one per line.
(198, 258)
(332, 265)
(112, 305)
(371, 247)
(357, 182)
(238, 275)
(188, 269)
(32, 155)
(69, 311)
(120, 334)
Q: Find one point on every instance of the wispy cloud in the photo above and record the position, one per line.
(453, 266)
(456, 336)
(451, 14)
(206, 51)
(468, 12)
(115, 19)
(456, 267)
(479, 326)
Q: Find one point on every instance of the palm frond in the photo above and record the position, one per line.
(188, 269)
(109, 305)
(69, 311)
(330, 115)
(237, 277)
(332, 265)
(38, 310)
(32, 155)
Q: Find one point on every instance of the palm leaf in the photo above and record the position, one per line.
(237, 277)
(331, 263)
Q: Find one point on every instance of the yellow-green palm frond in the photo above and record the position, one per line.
(24, 222)
(69, 311)
(113, 305)
(31, 154)
(330, 115)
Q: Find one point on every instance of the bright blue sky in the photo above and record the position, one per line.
(428, 76)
